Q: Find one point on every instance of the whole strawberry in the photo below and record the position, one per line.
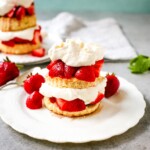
(8, 71)
(112, 85)
(33, 83)
(34, 101)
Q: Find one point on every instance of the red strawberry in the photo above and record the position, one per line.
(3, 77)
(97, 67)
(86, 74)
(98, 99)
(38, 52)
(20, 13)
(37, 36)
(52, 64)
(112, 85)
(33, 83)
(34, 101)
(11, 70)
(30, 10)
(99, 63)
(71, 106)
(19, 40)
(40, 28)
(52, 99)
(11, 13)
(8, 71)
(9, 43)
(69, 71)
(57, 70)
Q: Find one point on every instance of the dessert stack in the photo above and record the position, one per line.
(19, 33)
(73, 86)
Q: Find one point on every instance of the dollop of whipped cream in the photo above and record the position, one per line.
(88, 95)
(7, 5)
(27, 34)
(76, 53)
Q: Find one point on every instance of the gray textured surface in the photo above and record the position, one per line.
(137, 29)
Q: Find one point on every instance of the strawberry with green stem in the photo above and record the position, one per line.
(33, 83)
(8, 71)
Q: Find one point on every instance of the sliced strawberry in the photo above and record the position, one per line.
(71, 106)
(99, 63)
(38, 52)
(14, 41)
(86, 73)
(52, 99)
(30, 10)
(9, 43)
(20, 13)
(40, 38)
(33, 83)
(112, 85)
(11, 13)
(97, 67)
(69, 71)
(97, 72)
(98, 99)
(34, 101)
(40, 28)
(52, 64)
(57, 70)
(37, 36)
(19, 40)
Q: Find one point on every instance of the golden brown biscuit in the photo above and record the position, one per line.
(54, 108)
(19, 48)
(12, 24)
(72, 83)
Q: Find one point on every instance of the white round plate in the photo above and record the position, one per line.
(118, 114)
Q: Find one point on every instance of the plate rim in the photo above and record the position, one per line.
(8, 122)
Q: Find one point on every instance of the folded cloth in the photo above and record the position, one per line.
(105, 32)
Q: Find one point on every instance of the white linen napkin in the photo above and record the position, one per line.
(105, 32)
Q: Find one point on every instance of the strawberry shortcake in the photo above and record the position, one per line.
(74, 86)
(19, 33)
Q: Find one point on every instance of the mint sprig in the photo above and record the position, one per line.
(140, 64)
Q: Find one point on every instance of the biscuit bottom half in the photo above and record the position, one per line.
(55, 109)
(19, 49)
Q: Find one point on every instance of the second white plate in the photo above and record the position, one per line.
(28, 59)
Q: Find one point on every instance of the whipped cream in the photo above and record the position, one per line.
(88, 95)
(7, 5)
(76, 53)
(27, 34)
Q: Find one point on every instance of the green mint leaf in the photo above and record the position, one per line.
(149, 62)
(140, 64)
